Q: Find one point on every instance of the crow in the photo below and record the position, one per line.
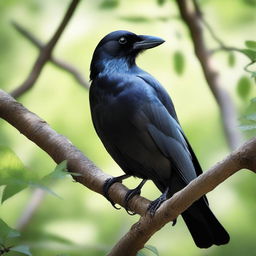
(136, 121)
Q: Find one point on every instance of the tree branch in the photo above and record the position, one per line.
(45, 53)
(59, 148)
(57, 62)
(190, 14)
(141, 231)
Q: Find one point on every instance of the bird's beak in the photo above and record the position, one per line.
(147, 42)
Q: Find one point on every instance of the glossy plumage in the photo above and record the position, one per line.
(135, 119)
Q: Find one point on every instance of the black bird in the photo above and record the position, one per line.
(135, 119)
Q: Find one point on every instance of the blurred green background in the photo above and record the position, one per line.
(83, 222)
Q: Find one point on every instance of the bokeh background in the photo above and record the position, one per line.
(83, 222)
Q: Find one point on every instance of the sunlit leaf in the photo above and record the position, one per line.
(250, 44)
(243, 87)
(24, 249)
(152, 249)
(179, 62)
(231, 59)
(6, 232)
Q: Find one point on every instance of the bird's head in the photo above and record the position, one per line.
(120, 48)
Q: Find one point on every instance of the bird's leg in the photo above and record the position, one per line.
(131, 193)
(108, 183)
(154, 205)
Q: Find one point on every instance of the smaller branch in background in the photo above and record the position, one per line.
(57, 62)
(191, 16)
(45, 53)
(30, 209)
(251, 54)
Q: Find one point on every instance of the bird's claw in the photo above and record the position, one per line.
(154, 205)
(108, 183)
(129, 195)
(174, 222)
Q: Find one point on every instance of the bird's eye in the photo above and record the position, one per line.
(122, 40)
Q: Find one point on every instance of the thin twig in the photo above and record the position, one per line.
(57, 62)
(59, 148)
(45, 53)
(30, 209)
(191, 15)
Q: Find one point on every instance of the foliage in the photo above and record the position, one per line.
(16, 177)
(7, 234)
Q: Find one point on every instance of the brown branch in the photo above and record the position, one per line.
(139, 234)
(59, 148)
(57, 62)
(45, 53)
(190, 14)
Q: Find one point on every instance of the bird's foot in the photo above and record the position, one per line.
(130, 194)
(154, 205)
(108, 183)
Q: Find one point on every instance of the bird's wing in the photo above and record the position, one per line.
(167, 134)
(165, 99)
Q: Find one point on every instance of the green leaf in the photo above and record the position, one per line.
(152, 249)
(251, 54)
(161, 2)
(109, 4)
(179, 62)
(231, 59)
(13, 173)
(24, 249)
(250, 44)
(59, 172)
(243, 87)
(12, 189)
(248, 127)
(6, 232)
(251, 3)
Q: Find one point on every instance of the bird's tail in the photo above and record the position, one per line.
(204, 227)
